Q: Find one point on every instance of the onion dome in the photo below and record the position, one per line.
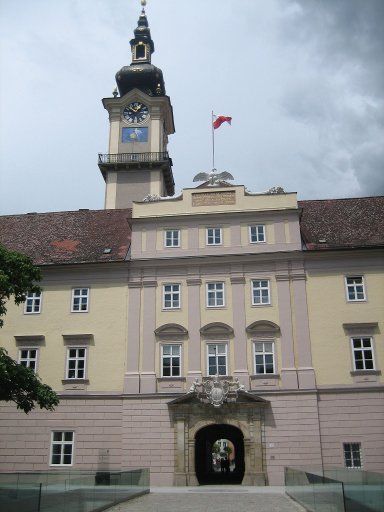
(141, 74)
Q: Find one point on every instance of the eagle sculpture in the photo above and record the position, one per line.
(213, 177)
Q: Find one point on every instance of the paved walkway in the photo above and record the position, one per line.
(211, 499)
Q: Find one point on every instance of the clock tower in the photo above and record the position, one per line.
(141, 119)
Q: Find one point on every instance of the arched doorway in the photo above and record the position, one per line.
(219, 455)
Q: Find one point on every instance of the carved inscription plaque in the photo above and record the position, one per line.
(213, 198)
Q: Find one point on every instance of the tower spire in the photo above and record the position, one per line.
(143, 4)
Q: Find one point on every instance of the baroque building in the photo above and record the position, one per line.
(172, 324)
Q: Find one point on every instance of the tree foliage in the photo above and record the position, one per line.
(19, 384)
(22, 386)
(18, 276)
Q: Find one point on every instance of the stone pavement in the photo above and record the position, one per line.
(211, 499)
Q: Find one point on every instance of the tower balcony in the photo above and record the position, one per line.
(135, 161)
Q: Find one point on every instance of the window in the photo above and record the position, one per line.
(28, 358)
(363, 353)
(62, 448)
(32, 303)
(80, 300)
(355, 288)
(171, 296)
(140, 51)
(76, 358)
(214, 236)
(264, 357)
(257, 234)
(260, 292)
(172, 238)
(215, 295)
(352, 455)
(217, 359)
(170, 360)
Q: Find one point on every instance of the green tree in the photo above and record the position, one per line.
(19, 384)
(18, 276)
(22, 386)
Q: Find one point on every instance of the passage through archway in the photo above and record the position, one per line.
(219, 455)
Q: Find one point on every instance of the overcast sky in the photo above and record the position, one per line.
(302, 79)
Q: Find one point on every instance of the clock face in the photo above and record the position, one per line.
(136, 112)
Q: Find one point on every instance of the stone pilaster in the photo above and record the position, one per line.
(288, 369)
(194, 324)
(148, 375)
(239, 321)
(131, 377)
(305, 371)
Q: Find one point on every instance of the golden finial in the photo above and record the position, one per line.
(143, 4)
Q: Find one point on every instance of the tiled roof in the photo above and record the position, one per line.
(342, 223)
(69, 237)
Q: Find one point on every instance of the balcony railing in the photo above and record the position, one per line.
(127, 158)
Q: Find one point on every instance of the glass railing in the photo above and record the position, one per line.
(314, 492)
(69, 491)
(336, 489)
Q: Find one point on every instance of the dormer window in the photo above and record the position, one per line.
(140, 51)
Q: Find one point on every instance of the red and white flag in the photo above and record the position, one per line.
(219, 120)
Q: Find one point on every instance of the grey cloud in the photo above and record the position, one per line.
(337, 85)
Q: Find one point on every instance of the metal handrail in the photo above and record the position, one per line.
(124, 158)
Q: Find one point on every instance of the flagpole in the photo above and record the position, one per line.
(213, 142)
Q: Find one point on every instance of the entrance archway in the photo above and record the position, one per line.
(206, 461)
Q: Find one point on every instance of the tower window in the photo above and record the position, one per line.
(140, 51)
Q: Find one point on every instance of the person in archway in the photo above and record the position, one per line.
(222, 465)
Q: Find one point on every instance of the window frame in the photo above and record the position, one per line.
(167, 308)
(363, 349)
(250, 234)
(29, 359)
(62, 444)
(264, 340)
(178, 238)
(216, 343)
(85, 358)
(33, 297)
(171, 356)
(346, 277)
(261, 288)
(214, 236)
(81, 288)
(207, 292)
(353, 466)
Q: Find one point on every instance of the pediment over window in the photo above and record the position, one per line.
(361, 328)
(216, 329)
(171, 331)
(263, 327)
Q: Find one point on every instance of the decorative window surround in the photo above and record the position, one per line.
(217, 331)
(33, 302)
(28, 357)
(80, 300)
(171, 296)
(264, 357)
(62, 445)
(362, 353)
(215, 294)
(76, 364)
(217, 359)
(352, 455)
(171, 332)
(257, 234)
(78, 339)
(30, 340)
(261, 292)
(171, 360)
(214, 236)
(172, 238)
(355, 289)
